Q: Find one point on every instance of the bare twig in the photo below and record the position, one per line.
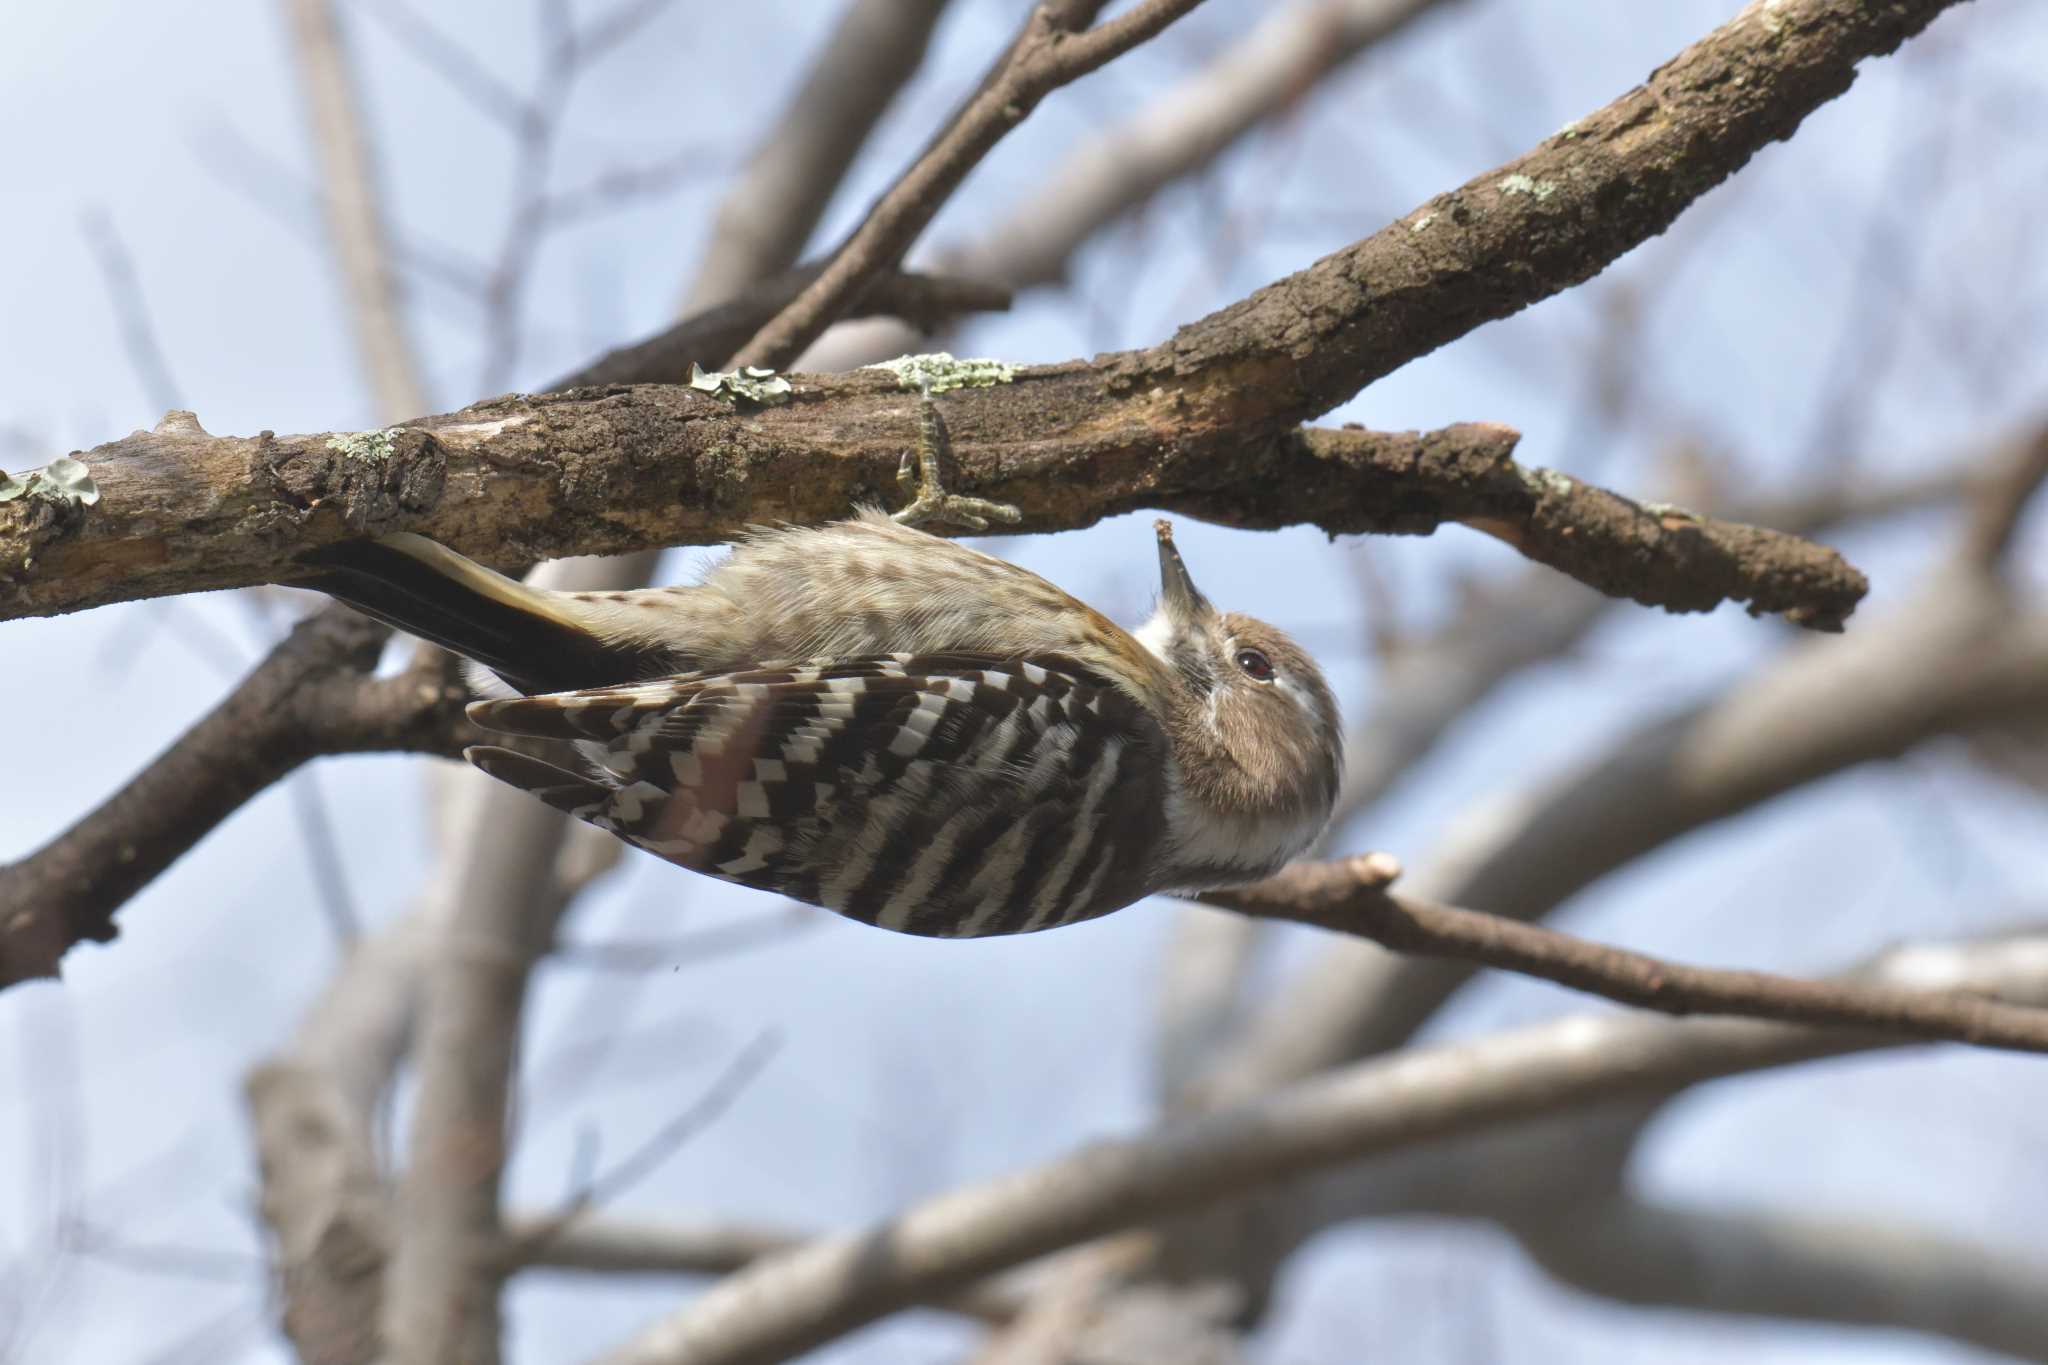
(1251, 81)
(1951, 660)
(1047, 56)
(601, 1245)
(131, 311)
(772, 208)
(330, 871)
(741, 936)
(529, 1245)
(450, 60)
(1351, 896)
(2003, 499)
(302, 208)
(1113, 171)
(616, 187)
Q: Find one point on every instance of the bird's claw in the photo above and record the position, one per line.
(921, 481)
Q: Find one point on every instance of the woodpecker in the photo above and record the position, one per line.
(889, 724)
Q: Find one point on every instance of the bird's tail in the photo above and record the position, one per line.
(534, 639)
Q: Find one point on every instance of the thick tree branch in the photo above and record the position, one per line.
(311, 1108)
(792, 1302)
(1352, 896)
(607, 471)
(1234, 382)
(1539, 224)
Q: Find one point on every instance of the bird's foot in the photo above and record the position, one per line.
(923, 483)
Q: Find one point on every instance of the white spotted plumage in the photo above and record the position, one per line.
(1015, 758)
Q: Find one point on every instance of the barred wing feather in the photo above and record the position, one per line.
(954, 795)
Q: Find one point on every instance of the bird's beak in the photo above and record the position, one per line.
(1181, 600)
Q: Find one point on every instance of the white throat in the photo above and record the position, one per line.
(1155, 635)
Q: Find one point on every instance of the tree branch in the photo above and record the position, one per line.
(354, 215)
(312, 695)
(1852, 1271)
(310, 1107)
(441, 1284)
(517, 479)
(1537, 225)
(602, 1245)
(790, 1303)
(185, 511)
(1229, 386)
(1352, 896)
(1112, 171)
(774, 204)
(708, 337)
(1046, 56)
(1253, 80)
(1953, 659)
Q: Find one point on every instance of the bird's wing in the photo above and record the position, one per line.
(946, 794)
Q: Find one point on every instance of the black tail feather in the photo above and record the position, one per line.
(531, 649)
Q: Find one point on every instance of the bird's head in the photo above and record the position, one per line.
(1255, 730)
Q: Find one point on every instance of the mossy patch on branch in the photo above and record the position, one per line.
(752, 384)
(64, 481)
(937, 372)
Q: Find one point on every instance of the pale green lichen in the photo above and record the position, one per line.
(1542, 480)
(63, 480)
(938, 372)
(752, 384)
(1569, 131)
(1522, 184)
(1671, 511)
(1422, 224)
(374, 446)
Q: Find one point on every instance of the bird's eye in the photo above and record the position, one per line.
(1255, 664)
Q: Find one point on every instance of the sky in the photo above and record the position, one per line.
(906, 1067)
